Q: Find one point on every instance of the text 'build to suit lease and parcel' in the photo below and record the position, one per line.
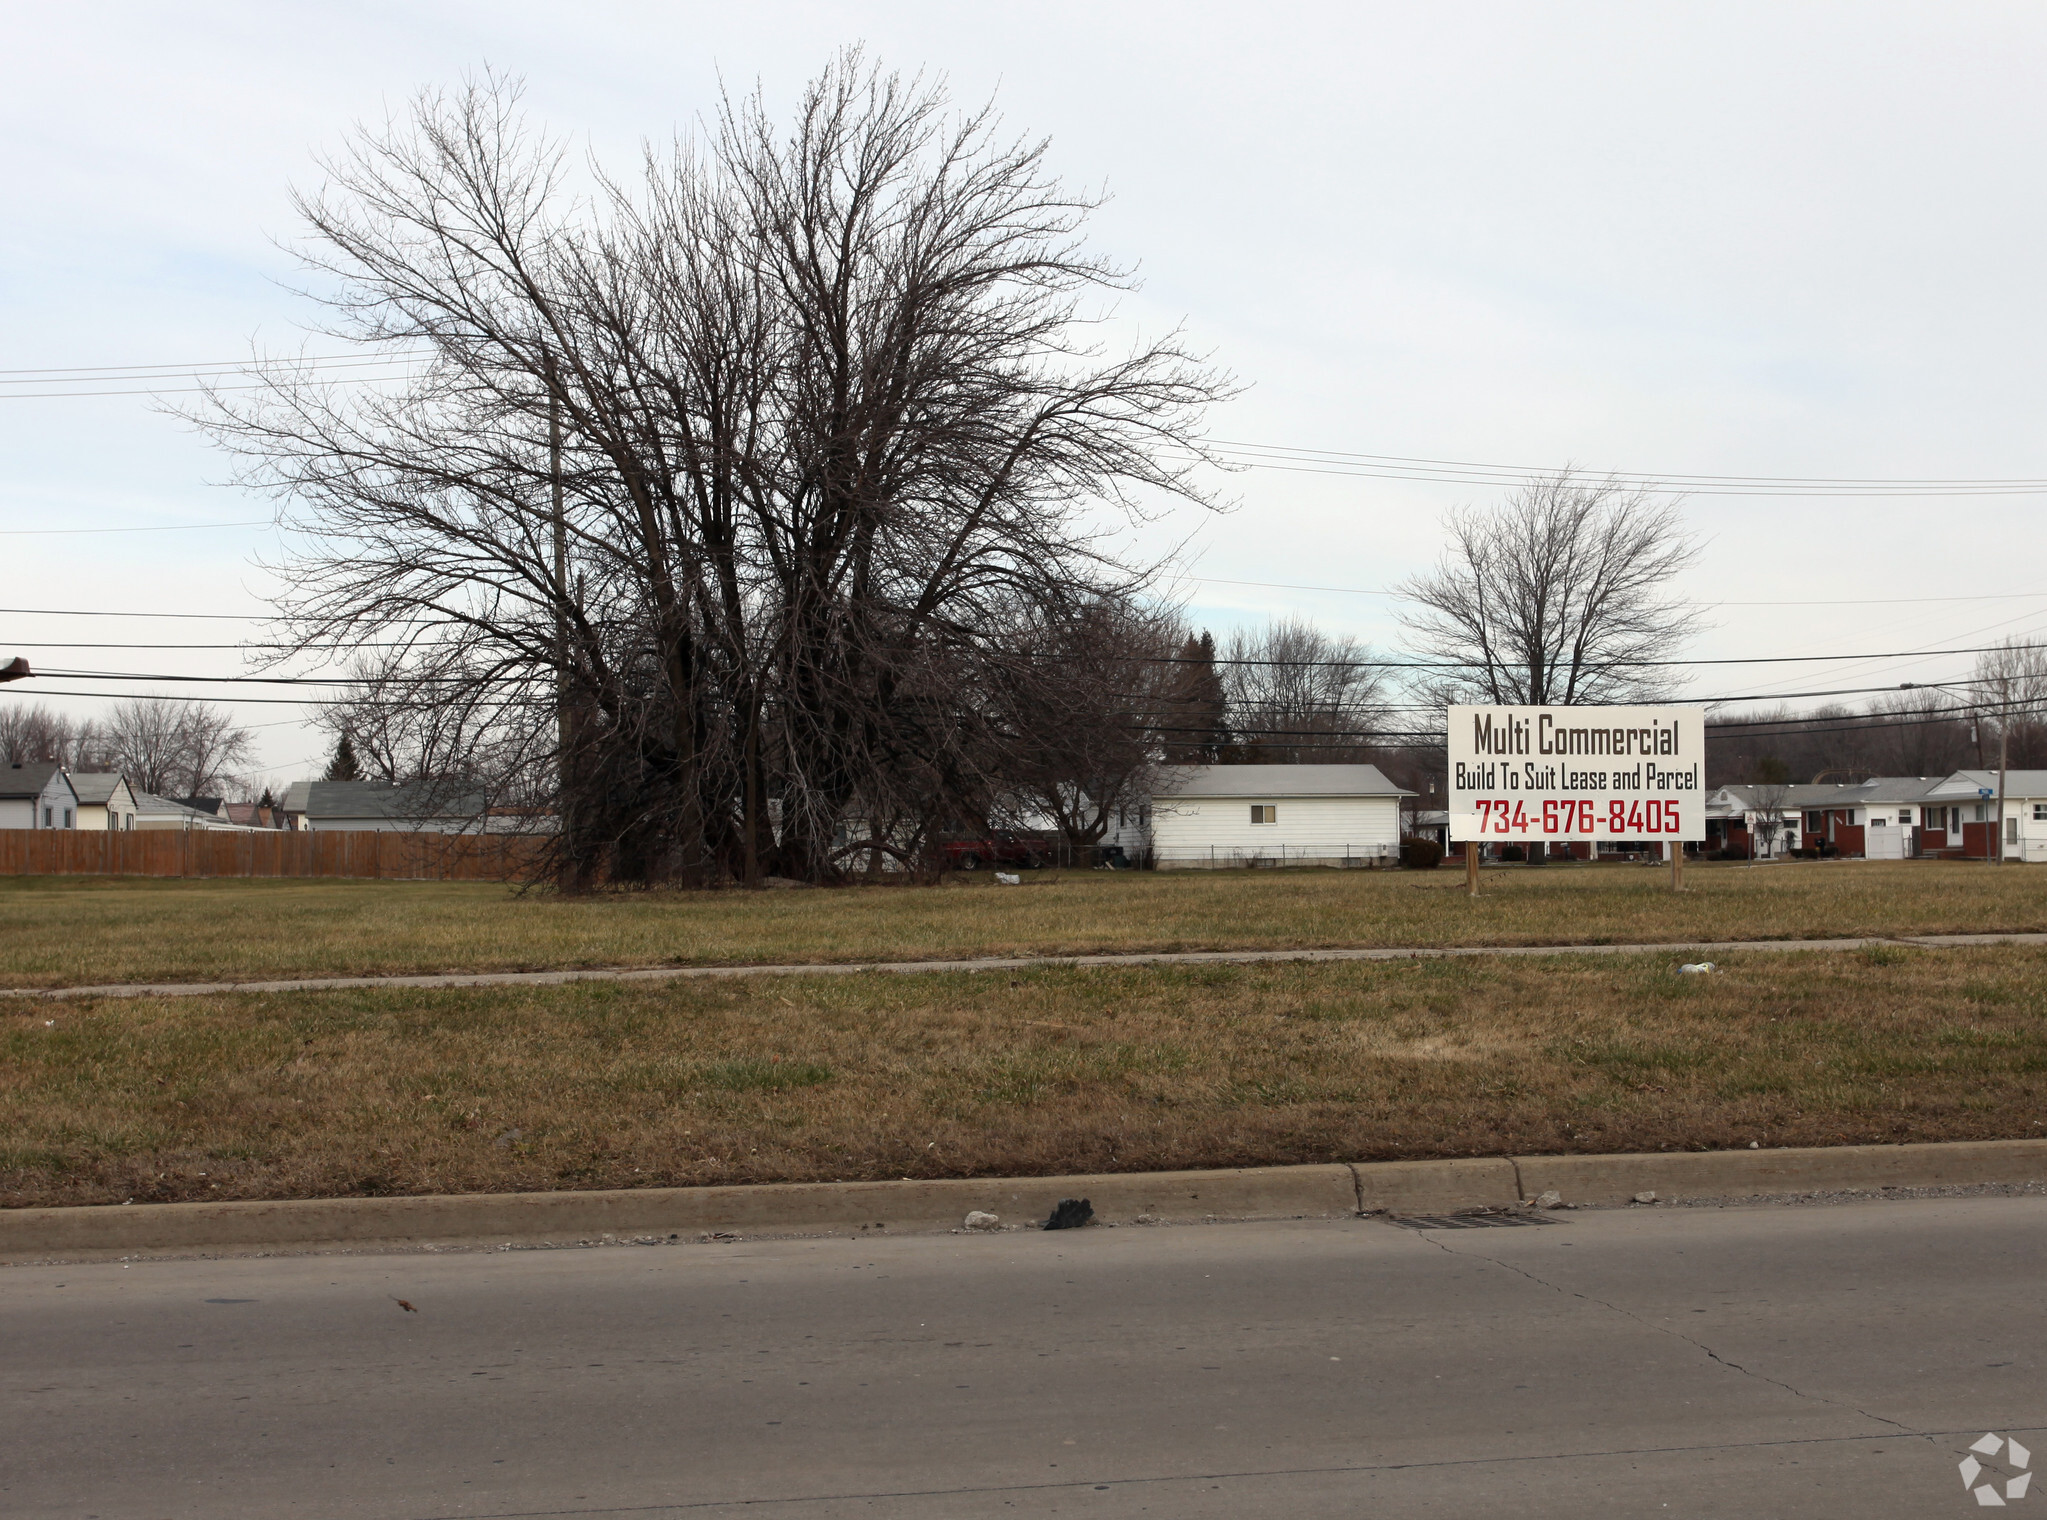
(1528, 774)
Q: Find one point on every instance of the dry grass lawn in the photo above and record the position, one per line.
(71, 930)
(604, 1085)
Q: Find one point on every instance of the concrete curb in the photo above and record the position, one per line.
(1812, 1169)
(1009, 963)
(801, 1208)
(848, 1208)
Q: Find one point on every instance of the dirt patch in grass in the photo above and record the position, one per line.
(57, 931)
(605, 1085)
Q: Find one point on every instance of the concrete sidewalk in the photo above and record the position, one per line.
(1012, 963)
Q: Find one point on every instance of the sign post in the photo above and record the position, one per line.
(1577, 775)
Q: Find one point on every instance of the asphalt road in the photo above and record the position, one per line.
(1826, 1361)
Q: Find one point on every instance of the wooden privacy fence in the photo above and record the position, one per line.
(361, 853)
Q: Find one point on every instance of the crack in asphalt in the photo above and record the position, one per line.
(681, 1505)
(1448, 1250)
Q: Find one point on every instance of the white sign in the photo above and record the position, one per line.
(1528, 775)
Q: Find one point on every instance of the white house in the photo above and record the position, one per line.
(37, 796)
(1961, 799)
(1218, 816)
(154, 812)
(105, 800)
(410, 808)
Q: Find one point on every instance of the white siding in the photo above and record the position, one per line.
(1196, 831)
(385, 825)
(17, 813)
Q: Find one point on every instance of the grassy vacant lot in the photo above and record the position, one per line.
(602, 1085)
(59, 930)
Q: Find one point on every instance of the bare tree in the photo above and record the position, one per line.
(1299, 696)
(719, 492)
(176, 749)
(2010, 685)
(32, 734)
(1089, 722)
(1560, 595)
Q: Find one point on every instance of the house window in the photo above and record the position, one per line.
(1904, 816)
(67, 818)
(1264, 812)
(1814, 822)
(2040, 812)
(46, 818)
(1877, 823)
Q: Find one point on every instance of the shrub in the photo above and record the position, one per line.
(1420, 853)
(1513, 852)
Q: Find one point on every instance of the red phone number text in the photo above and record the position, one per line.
(1578, 817)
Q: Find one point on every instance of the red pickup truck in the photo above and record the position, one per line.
(996, 849)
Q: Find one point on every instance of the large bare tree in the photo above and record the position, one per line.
(1300, 696)
(729, 483)
(1563, 593)
(175, 748)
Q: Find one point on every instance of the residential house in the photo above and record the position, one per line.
(154, 812)
(1878, 819)
(410, 807)
(1242, 815)
(105, 800)
(37, 795)
(1762, 822)
(1964, 804)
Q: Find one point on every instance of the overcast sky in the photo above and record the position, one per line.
(1785, 240)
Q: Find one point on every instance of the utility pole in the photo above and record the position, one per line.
(561, 576)
(2003, 758)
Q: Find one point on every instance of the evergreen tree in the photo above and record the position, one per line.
(343, 766)
(1198, 709)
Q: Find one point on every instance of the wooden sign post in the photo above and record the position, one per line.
(1471, 866)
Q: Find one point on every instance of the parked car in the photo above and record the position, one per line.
(997, 849)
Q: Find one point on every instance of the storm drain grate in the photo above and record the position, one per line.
(1465, 1221)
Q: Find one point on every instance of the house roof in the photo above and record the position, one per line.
(1965, 784)
(380, 799)
(149, 805)
(1275, 781)
(97, 788)
(29, 779)
(1749, 797)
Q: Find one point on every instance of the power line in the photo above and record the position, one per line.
(209, 365)
(149, 528)
(1849, 601)
(1238, 451)
(1522, 471)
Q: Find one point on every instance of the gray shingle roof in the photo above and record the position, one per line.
(1275, 781)
(1964, 784)
(96, 788)
(27, 780)
(379, 799)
